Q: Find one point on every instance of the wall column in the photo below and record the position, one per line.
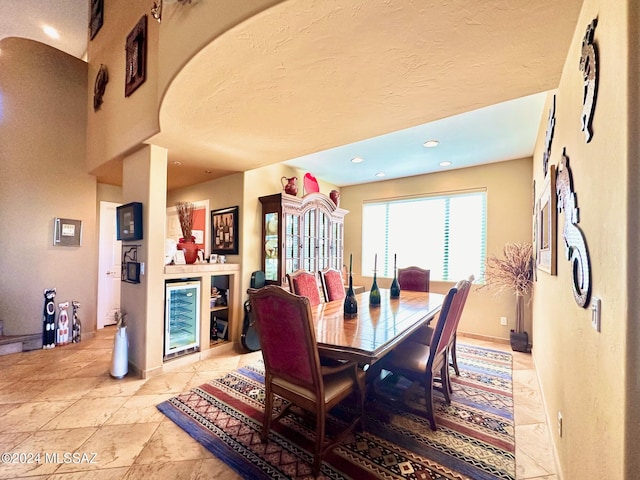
(144, 179)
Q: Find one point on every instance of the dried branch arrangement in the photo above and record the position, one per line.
(185, 214)
(514, 272)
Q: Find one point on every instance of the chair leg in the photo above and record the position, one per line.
(268, 406)
(454, 359)
(320, 431)
(429, 401)
(446, 383)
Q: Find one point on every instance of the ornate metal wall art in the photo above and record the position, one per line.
(575, 245)
(551, 123)
(589, 69)
(100, 86)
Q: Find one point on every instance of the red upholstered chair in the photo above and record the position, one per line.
(427, 363)
(304, 283)
(292, 366)
(414, 279)
(332, 284)
(424, 334)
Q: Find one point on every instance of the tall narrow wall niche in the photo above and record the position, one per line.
(575, 245)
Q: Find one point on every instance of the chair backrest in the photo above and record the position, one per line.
(332, 284)
(414, 279)
(304, 283)
(285, 327)
(463, 287)
(446, 324)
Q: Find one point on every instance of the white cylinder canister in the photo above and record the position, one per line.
(120, 355)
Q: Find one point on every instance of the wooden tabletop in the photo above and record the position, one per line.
(376, 330)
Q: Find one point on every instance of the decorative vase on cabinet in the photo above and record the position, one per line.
(300, 233)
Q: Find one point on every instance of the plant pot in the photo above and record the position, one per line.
(190, 250)
(519, 341)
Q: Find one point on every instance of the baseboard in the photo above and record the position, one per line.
(487, 338)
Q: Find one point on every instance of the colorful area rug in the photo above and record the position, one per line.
(474, 440)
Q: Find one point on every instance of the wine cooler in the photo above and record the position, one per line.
(181, 318)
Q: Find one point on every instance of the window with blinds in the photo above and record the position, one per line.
(444, 233)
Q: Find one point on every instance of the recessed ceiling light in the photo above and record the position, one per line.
(357, 160)
(445, 164)
(208, 171)
(177, 163)
(431, 143)
(380, 174)
(51, 32)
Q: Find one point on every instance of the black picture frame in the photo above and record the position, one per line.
(129, 222)
(133, 272)
(96, 18)
(136, 55)
(224, 231)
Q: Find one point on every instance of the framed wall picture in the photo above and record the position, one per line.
(96, 18)
(67, 232)
(223, 327)
(136, 57)
(546, 225)
(224, 231)
(133, 272)
(129, 222)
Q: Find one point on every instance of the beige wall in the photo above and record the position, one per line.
(221, 193)
(108, 193)
(42, 152)
(509, 198)
(122, 123)
(583, 372)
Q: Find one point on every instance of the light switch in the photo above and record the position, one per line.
(595, 313)
(141, 268)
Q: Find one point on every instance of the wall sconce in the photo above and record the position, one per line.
(156, 9)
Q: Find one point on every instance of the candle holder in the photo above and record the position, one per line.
(374, 294)
(350, 302)
(394, 292)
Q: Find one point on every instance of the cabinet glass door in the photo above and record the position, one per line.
(337, 246)
(271, 247)
(182, 317)
(309, 253)
(324, 241)
(292, 243)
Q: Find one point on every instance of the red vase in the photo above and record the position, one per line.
(334, 195)
(190, 250)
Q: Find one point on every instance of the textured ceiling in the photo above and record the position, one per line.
(317, 82)
(26, 19)
(307, 76)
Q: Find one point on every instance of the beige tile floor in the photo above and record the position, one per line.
(63, 400)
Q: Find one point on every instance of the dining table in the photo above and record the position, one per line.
(376, 329)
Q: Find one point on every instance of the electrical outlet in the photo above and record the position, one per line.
(503, 321)
(560, 424)
(595, 313)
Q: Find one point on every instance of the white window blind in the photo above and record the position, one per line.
(444, 233)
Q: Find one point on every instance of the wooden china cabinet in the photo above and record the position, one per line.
(300, 233)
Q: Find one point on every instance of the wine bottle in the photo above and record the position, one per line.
(374, 294)
(395, 285)
(350, 302)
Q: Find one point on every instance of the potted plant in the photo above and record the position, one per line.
(187, 242)
(513, 273)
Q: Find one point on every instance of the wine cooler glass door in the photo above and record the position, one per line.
(182, 318)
